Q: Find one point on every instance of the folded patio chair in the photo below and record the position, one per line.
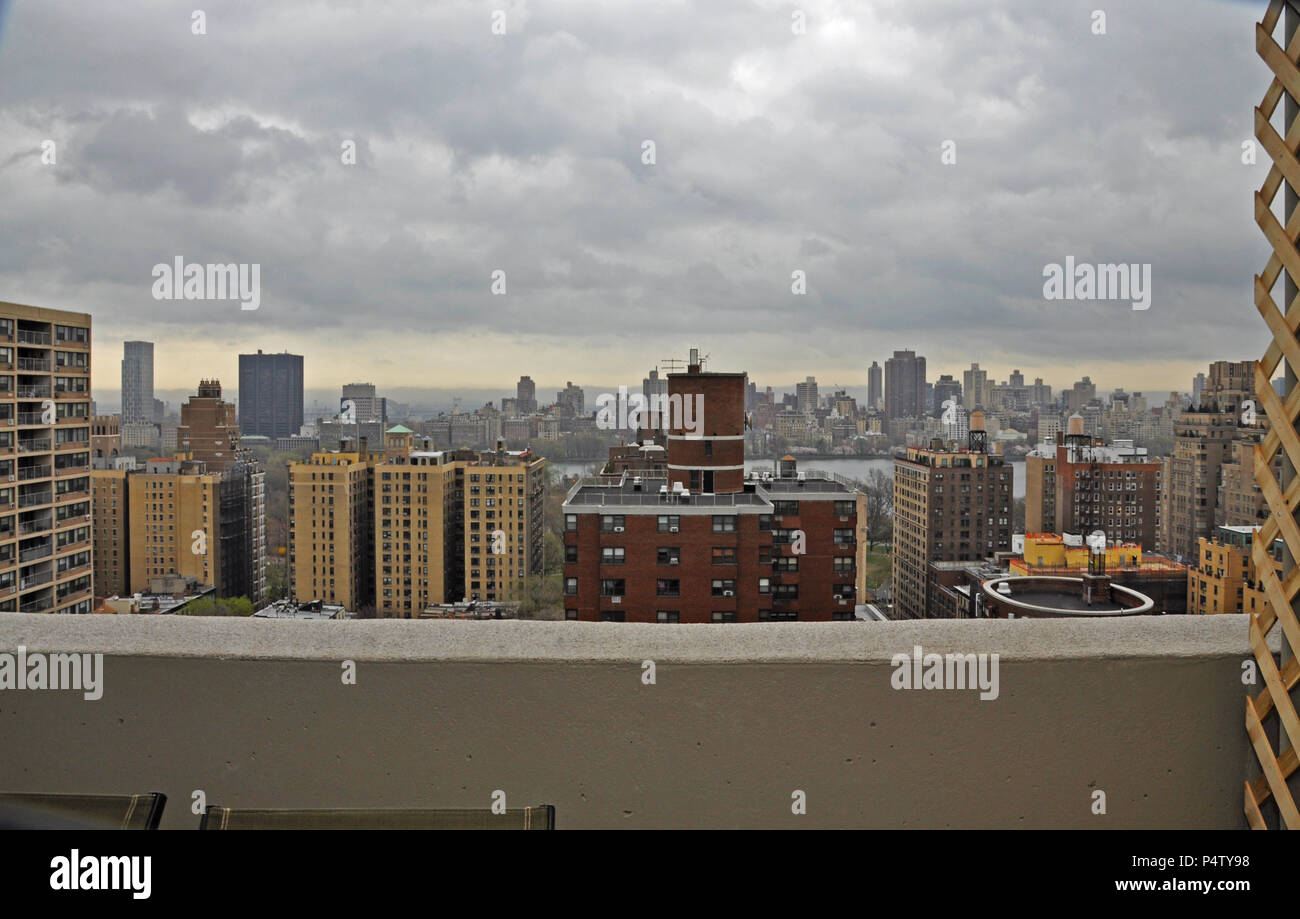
(81, 812)
(539, 817)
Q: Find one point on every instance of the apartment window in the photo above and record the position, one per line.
(724, 587)
(724, 555)
(843, 537)
(611, 615)
(668, 615)
(720, 615)
(611, 587)
(570, 554)
(724, 524)
(612, 523)
(844, 591)
(785, 508)
(612, 555)
(668, 555)
(670, 523)
(570, 614)
(842, 564)
(665, 587)
(571, 586)
(787, 563)
(571, 522)
(764, 585)
(845, 508)
(767, 615)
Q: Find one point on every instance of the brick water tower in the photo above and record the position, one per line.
(706, 429)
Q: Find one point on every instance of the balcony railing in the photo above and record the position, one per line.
(26, 337)
(31, 555)
(33, 364)
(33, 446)
(37, 606)
(33, 472)
(35, 580)
(34, 500)
(33, 392)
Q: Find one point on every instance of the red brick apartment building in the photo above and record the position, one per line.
(706, 542)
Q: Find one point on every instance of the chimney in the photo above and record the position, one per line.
(693, 366)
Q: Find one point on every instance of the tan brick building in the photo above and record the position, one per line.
(331, 529)
(111, 532)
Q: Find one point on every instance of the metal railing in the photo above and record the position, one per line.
(28, 337)
(33, 472)
(32, 363)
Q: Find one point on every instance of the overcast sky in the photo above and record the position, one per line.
(775, 152)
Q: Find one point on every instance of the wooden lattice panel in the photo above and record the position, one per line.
(1275, 699)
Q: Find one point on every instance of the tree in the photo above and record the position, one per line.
(541, 595)
(879, 523)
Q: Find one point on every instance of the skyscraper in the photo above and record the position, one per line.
(137, 381)
(974, 383)
(905, 385)
(875, 385)
(526, 395)
(270, 394)
(806, 393)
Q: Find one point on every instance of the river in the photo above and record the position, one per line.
(847, 467)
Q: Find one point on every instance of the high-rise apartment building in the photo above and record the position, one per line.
(905, 388)
(875, 386)
(949, 505)
(45, 513)
(137, 382)
(332, 529)
(1202, 442)
(189, 521)
(455, 525)
(526, 396)
(806, 394)
(705, 542)
(408, 528)
(270, 394)
(571, 401)
(209, 429)
(360, 402)
(111, 512)
(946, 388)
(975, 388)
(1076, 484)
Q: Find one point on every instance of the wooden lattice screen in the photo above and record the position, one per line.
(1274, 700)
